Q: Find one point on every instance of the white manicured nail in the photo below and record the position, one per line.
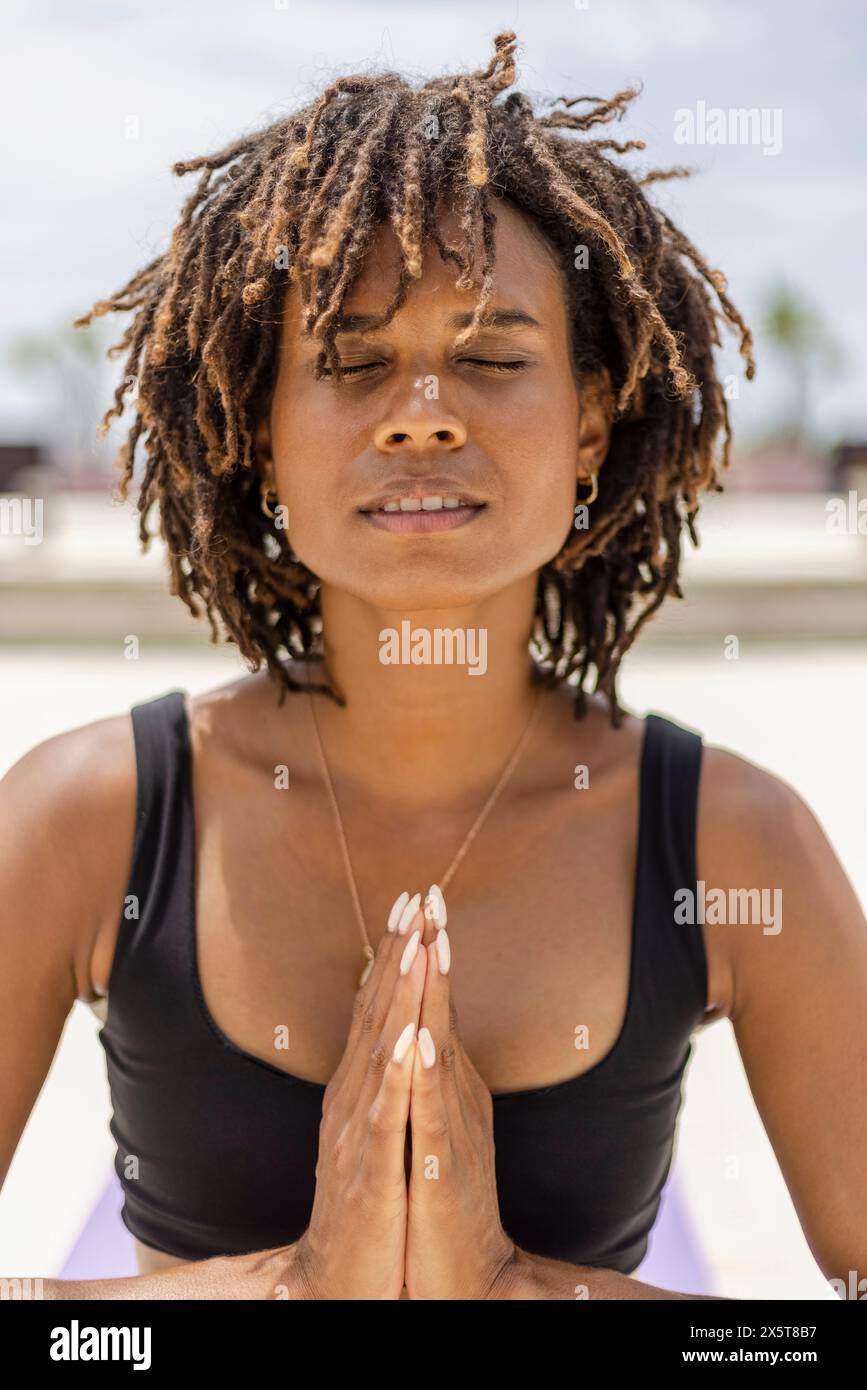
(408, 913)
(426, 1047)
(395, 914)
(444, 951)
(435, 906)
(401, 1047)
(408, 956)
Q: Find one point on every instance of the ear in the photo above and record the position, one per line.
(595, 414)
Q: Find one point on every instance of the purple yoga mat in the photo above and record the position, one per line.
(674, 1258)
(104, 1250)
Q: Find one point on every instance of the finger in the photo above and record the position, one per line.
(363, 1009)
(400, 920)
(469, 1084)
(371, 980)
(404, 1006)
(369, 1005)
(436, 1000)
(435, 910)
(437, 913)
(437, 1021)
(383, 1161)
(445, 1029)
(429, 908)
(373, 998)
(429, 1117)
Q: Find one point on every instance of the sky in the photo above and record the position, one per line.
(86, 205)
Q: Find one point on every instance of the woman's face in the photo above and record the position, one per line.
(415, 408)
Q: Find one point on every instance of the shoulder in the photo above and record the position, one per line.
(67, 813)
(67, 827)
(68, 781)
(756, 835)
(748, 815)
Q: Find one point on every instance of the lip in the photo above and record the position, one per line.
(406, 489)
(424, 523)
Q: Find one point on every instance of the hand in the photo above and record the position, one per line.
(456, 1247)
(354, 1246)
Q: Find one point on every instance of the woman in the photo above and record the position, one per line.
(427, 397)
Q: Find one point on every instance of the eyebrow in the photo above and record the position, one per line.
(494, 318)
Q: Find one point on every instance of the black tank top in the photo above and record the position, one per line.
(217, 1149)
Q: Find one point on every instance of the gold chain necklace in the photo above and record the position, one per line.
(468, 840)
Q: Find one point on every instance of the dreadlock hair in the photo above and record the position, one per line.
(299, 201)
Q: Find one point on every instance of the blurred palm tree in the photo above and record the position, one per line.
(69, 367)
(805, 343)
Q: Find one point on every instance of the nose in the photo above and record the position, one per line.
(420, 429)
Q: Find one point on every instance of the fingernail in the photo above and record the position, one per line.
(401, 1047)
(426, 1047)
(435, 906)
(408, 913)
(408, 956)
(397, 909)
(444, 952)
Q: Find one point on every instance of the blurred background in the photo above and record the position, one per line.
(100, 99)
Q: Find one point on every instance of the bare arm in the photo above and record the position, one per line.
(67, 811)
(531, 1277)
(270, 1274)
(798, 997)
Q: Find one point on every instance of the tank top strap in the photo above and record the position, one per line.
(673, 955)
(158, 894)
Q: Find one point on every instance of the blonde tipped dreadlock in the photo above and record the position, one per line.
(299, 202)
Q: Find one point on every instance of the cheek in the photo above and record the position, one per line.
(541, 449)
(309, 451)
(310, 455)
(541, 518)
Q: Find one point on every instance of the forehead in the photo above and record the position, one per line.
(527, 273)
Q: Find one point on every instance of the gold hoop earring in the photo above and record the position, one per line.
(265, 493)
(593, 484)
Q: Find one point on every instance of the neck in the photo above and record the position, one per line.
(428, 733)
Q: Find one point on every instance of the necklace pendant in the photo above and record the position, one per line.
(365, 974)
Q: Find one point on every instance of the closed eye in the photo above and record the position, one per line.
(494, 363)
(498, 366)
(350, 371)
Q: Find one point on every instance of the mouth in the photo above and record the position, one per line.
(422, 515)
(423, 520)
